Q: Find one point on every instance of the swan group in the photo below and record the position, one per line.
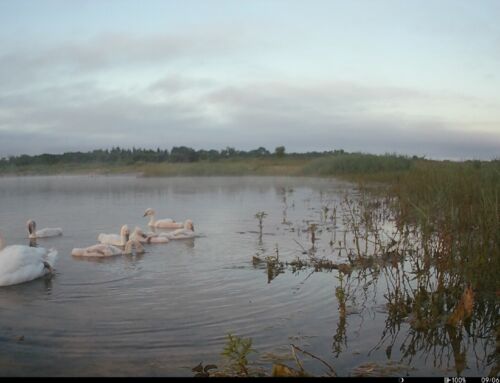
(20, 263)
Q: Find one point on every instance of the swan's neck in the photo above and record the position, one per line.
(128, 248)
(152, 220)
(32, 229)
(125, 238)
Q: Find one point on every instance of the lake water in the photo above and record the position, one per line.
(163, 312)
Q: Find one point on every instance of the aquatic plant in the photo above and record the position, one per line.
(236, 351)
(260, 216)
(312, 230)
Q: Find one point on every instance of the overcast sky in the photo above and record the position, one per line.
(411, 77)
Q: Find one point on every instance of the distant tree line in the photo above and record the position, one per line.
(117, 155)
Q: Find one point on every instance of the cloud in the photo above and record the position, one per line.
(351, 116)
(177, 83)
(37, 62)
(336, 99)
(301, 116)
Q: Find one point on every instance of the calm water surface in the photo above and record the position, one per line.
(163, 312)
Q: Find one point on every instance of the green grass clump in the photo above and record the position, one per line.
(357, 163)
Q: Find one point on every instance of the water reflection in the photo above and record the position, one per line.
(432, 311)
(104, 260)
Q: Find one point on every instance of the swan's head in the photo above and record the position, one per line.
(189, 225)
(77, 252)
(139, 233)
(31, 228)
(149, 212)
(125, 232)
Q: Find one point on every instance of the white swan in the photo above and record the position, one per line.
(115, 239)
(20, 263)
(42, 233)
(166, 223)
(106, 250)
(139, 235)
(186, 232)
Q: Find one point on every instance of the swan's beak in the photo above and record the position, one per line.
(192, 227)
(145, 214)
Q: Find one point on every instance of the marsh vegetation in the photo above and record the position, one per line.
(431, 235)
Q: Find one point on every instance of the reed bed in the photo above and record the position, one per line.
(440, 261)
(459, 204)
